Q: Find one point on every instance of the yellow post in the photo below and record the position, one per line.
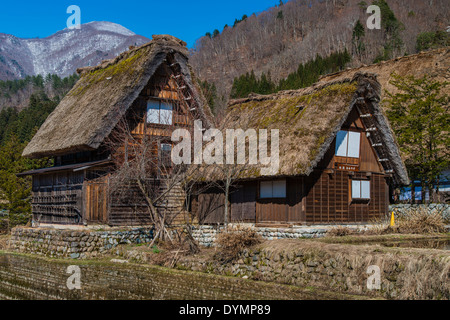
(393, 220)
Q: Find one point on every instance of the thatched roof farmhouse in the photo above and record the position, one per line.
(140, 86)
(338, 157)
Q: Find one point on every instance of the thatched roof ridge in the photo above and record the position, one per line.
(309, 120)
(286, 93)
(179, 44)
(91, 110)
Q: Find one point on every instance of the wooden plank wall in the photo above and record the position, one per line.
(57, 198)
(128, 208)
(131, 209)
(210, 207)
(329, 200)
(243, 203)
(289, 210)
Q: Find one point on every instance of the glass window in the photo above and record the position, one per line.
(273, 189)
(266, 190)
(153, 112)
(165, 113)
(354, 142)
(166, 154)
(356, 189)
(341, 143)
(348, 144)
(159, 112)
(279, 189)
(360, 189)
(365, 189)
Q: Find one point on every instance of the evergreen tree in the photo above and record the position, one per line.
(15, 191)
(392, 28)
(280, 15)
(16, 129)
(432, 40)
(419, 114)
(358, 33)
(306, 75)
(210, 93)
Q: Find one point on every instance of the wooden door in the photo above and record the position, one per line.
(243, 203)
(211, 207)
(96, 201)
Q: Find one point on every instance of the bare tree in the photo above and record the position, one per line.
(144, 174)
(233, 163)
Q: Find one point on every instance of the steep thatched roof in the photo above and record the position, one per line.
(309, 120)
(91, 110)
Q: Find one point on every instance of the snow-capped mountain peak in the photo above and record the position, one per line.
(110, 27)
(65, 51)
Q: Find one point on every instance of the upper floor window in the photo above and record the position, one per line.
(273, 189)
(348, 144)
(159, 112)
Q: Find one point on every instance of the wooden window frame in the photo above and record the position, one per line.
(160, 101)
(360, 144)
(272, 198)
(360, 200)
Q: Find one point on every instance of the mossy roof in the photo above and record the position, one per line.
(308, 121)
(91, 110)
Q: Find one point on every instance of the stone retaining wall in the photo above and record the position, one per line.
(341, 268)
(73, 244)
(31, 278)
(206, 235)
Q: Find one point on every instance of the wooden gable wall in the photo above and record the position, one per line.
(328, 190)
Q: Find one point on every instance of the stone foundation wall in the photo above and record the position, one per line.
(73, 244)
(206, 235)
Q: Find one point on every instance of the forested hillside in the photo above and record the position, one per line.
(280, 39)
(16, 93)
(306, 75)
(17, 127)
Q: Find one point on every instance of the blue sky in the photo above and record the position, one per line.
(187, 20)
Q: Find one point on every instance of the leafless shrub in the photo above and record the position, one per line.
(421, 221)
(416, 221)
(379, 226)
(340, 232)
(233, 241)
(146, 178)
(167, 254)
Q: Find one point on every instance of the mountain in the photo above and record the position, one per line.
(65, 51)
(282, 37)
